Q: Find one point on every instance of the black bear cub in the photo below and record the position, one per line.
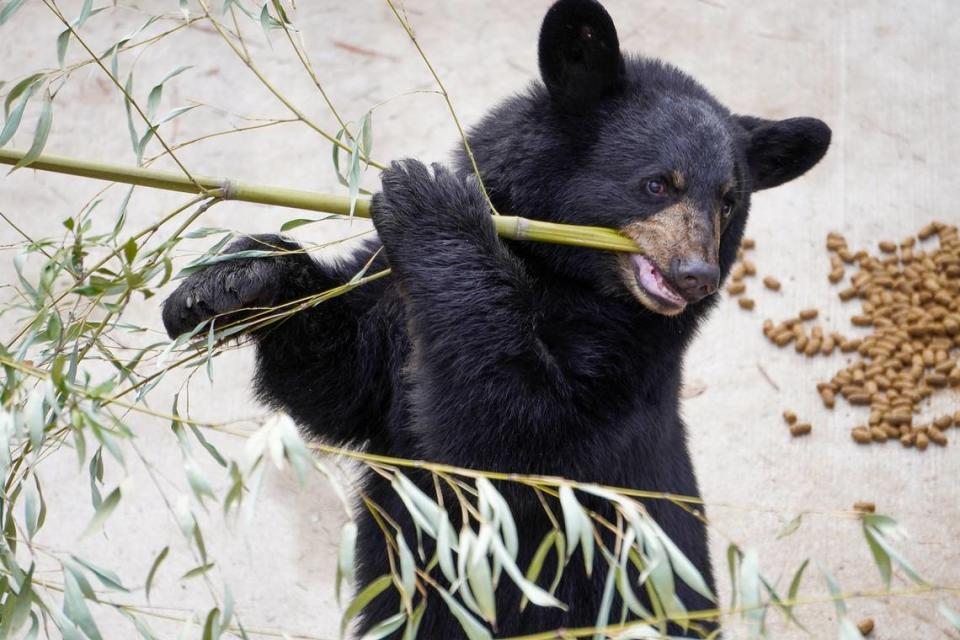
(517, 356)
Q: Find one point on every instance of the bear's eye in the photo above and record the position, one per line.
(656, 187)
(726, 209)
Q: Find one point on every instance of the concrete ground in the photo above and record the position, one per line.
(882, 74)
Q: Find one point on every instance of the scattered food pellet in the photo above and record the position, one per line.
(865, 626)
(771, 283)
(748, 243)
(800, 429)
(864, 506)
(746, 303)
(736, 288)
(789, 417)
(809, 314)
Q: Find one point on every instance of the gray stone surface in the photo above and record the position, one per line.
(883, 74)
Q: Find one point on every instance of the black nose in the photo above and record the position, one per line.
(695, 278)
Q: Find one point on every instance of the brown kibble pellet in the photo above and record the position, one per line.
(865, 626)
(878, 434)
(749, 268)
(864, 506)
(736, 288)
(859, 399)
(943, 422)
(748, 243)
(888, 247)
(922, 440)
(848, 294)
(789, 417)
(746, 304)
(771, 283)
(800, 429)
(861, 435)
(809, 314)
(737, 272)
(828, 397)
(937, 436)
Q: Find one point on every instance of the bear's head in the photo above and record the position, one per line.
(636, 145)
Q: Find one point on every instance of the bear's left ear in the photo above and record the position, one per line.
(780, 150)
(580, 59)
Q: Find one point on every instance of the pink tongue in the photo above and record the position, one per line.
(652, 280)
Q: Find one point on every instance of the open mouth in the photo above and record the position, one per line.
(655, 288)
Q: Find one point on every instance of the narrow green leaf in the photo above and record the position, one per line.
(107, 578)
(198, 571)
(795, 583)
(153, 570)
(211, 626)
(952, 616)
(31, 509)
(103, 512)
(363, 598)
(836, 594)
(408, 569)
(530, 590)
(212, 450)
(62, 41)
(606, 601)
(791, 527)
(9, 9)
(470, 625)
(345, 556)
(14, 116)
(385, 627)
(75, 606)
(41, 133)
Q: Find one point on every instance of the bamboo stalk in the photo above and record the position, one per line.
(510, 227)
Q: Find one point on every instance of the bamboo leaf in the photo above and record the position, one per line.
(952, 616)
(212, 450)
(795, 583)
(153, 570)
(606, 601)
(531, 591)
(536, 563)
(362, 599)
(18, 90)
(836, 594)
(750, 589)
(198, 571)
(413, 623)
(386, 627)
(103, 512)
(446, 542)
(682, 565)
(469, 624)
(62, 41)
(791, 527)
(75, 606)
(41, 133)
(346, 556)
(31, 509)
(107, 578)
(408, 570)
(9, 9)
(880, 556)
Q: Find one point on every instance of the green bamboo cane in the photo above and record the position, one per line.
(511, 227)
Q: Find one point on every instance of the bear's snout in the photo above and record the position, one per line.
(694, 277)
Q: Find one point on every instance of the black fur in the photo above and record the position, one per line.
(521, 357)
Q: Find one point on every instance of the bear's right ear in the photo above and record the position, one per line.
(580, 59)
